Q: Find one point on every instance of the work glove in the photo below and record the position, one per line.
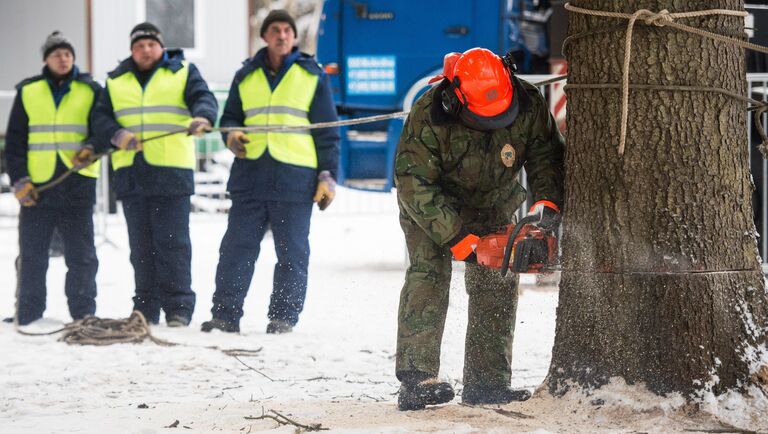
(236, 141)
(199, 127)
(83, 157)
(25, 192)
(548, 215)
(527, 252)
(125, 140)
(326, 190)
(463, 247)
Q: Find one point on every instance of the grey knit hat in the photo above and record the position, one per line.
(146, 30)
(278, 15)
(56, 40)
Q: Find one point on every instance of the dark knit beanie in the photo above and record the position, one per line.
(281, 16)
(146, 31)
(56, 40)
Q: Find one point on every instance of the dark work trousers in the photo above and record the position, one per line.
(161, 254)
(36, 225)
(248, 221)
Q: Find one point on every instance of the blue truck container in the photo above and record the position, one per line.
(379, 55)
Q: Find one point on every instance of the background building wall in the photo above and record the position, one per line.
(223, 38)
(24, 25)
(223, 27)
(305, 12)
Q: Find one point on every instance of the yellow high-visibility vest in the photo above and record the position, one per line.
(157, 109)
(56, 130)
(287, 105)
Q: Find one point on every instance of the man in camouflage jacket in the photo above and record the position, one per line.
(456, 171)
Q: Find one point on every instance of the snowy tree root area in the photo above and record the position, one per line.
(336, 369)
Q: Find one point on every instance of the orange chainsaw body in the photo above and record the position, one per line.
(491, 254)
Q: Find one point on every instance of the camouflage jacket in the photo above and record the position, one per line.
(452, 180)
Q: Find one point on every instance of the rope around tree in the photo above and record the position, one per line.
(661, 19)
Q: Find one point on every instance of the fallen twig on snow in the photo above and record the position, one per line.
(510, 413)
(501, 411)
(233, 387)
(283, 420)
(322, 377)
(253, 369)
(724, 431)
(377, 399)
(239, 351)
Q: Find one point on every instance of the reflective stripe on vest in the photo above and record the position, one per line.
(287, 105)
(158, 108)
(56, 130)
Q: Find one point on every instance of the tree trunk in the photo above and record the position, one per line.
(661, 281)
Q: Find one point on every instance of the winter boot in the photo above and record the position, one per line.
(478, 395)
(278, 327)
(417, 395)
(220, 324)
(176, 321)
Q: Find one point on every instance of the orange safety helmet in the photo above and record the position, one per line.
(480, 90)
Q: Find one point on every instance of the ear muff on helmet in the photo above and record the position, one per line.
(509, 61)
(450, 100)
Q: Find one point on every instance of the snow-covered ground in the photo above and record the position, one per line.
(336, 368)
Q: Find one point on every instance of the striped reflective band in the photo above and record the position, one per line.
(155, 127)
(61, 146)
(276, 110)
(153, 109)
(61, 128)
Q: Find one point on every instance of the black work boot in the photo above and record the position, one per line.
(477, 395)
(220, 324)
(417, 395)
(176, 321)
(278, 327)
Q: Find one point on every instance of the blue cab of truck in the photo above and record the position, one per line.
(379, 55)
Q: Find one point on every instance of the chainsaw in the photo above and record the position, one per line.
(522, 248)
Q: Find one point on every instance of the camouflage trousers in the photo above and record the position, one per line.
(423, 308)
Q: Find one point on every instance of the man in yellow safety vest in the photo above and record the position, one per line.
(49, 133)
(276, 175)
(151, 93)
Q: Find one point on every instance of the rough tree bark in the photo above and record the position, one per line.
(661, 281)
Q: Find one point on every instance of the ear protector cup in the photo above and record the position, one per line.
(451, 102)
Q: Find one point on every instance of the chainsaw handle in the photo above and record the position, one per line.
(511, 241)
